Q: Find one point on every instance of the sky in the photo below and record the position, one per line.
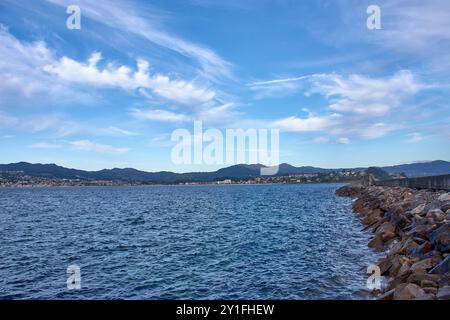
(111, 93)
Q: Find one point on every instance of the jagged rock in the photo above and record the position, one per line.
(444, 293)
(387, 236)
(428, 283)
(419, 209)
(414, 228)
(444, 280)
(418, 278)
(444, 197)
(377, 242)
(384, 265)
(385, 228)
(432, 290)
(436, 214)
(442, 267)
(404, 270)
(423, 265)
(408, 246)
(425, 296)
(408, 291)
(440, 238)
(389, 295)
(420, 230)
(445, 206)
(422, 249)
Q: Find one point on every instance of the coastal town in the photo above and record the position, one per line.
(19, 179)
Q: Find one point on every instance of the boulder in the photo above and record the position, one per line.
(423, 265)
(419, 209)
(428, 283)
(408, 291)
(442, 267)
(389, 295)
(421, 231)
(408, 246)
(444, 197)
(418, 278)
(384, 265)
(444, 293)
(432, 290)
(377, 242)
(426, 296)
(424, 248)
(440, 238)
(445, 206)
(386, 227)
(444, 280)
(436, 214)
(387, 236)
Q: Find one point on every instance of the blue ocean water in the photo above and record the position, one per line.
(182, 242)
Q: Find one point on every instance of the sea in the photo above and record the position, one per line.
(293, 241)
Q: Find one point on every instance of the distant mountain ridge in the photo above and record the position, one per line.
(241, 171)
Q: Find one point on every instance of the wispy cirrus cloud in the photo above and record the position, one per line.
(159, 115)
(89, 146)
(134, 19)
(354, 93)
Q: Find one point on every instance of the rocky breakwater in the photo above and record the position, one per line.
(413, 228)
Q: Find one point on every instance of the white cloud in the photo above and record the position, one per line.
(356, 104)
(355, 93)
(159, 115)
(374, 131)
(86, 145)
(22, 77)
(143, 21)
(412, 26)
(116, 131)
(364, 95)
(343, 140)
(414, 137)
(123, 77)
(309, 124)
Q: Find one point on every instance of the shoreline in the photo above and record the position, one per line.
(165, 185)
(412, 228)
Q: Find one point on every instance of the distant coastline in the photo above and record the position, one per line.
(24, 174)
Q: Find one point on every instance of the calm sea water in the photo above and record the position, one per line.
(182, 242)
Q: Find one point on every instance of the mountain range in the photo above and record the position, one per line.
(241, 171)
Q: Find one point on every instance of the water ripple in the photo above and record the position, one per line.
(187, 242)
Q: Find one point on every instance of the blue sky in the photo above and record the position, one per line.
(110, 94)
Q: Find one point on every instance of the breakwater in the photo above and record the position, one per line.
(413, 228)
(441, 182)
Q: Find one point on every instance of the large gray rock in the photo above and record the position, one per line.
(423, 265)
(419, 209)
(444, 293)
(442, 267)
(408, 291)
(440, 238)
(444, 197)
